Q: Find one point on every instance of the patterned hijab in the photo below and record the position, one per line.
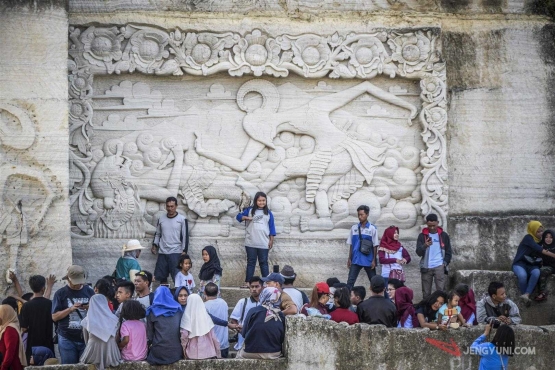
(532, 229)
(270, 299)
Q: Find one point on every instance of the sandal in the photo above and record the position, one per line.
(540, 297)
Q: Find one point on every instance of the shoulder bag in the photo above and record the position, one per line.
(365, 245)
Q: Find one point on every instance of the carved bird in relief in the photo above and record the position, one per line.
(245, 201)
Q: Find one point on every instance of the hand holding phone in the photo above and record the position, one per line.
(428, 241)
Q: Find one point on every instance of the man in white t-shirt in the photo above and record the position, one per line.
(296, 295)
(244, 305)
(218, 308)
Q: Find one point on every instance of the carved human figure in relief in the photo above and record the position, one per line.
(26, 191)
(335, 154)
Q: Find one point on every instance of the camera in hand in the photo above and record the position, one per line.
(493, 322)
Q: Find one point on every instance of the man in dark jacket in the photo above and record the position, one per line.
(377, 309)
(496, 307)
(434, 247)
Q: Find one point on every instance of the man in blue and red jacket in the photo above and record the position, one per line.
(434, 247)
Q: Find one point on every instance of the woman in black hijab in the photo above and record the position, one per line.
(211, 271)
(548, 266)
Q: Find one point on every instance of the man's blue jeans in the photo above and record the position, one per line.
(527, 277)
(355, 270)
(70, 351)
(252, 255)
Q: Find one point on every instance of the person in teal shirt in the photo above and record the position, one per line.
(127, 265)
(494, 354)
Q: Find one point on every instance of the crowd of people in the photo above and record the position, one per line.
(134, 315)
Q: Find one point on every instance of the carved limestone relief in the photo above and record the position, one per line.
(319, 147)
(27, 189)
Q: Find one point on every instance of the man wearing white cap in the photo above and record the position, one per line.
(69, 308)
(128, 266)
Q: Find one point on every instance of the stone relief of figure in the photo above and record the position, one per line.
(142, 168)
(26, 192)
(336, 152)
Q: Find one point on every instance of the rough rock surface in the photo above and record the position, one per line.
(34, 213)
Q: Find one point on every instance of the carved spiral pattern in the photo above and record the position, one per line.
(130, 148)
(144, 140)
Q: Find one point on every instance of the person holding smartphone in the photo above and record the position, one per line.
(69, 308)
(494, 354)
(434, 247)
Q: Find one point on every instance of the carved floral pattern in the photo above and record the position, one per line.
(368, 55)
(102, 45)
(411, 54)
(80, 85)
(311, 52)
(148, 49)
(256, 53)
(412, 51)
(432, 88)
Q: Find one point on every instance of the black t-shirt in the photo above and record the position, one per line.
(70, 326)
(429, 314)
(377, 310)
(36, 317)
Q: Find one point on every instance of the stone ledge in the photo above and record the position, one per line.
(184, 364)
(319, 344)
(539, 313)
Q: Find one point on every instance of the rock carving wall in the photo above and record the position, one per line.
(322, 124)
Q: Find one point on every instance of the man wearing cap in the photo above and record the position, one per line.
(289, 276)
(377, 309)
(127, 265)
(287, 306)
(170, 241)
(69, 308)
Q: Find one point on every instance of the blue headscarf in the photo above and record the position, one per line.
(163, 303)
(178, 289)
(40, 355)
